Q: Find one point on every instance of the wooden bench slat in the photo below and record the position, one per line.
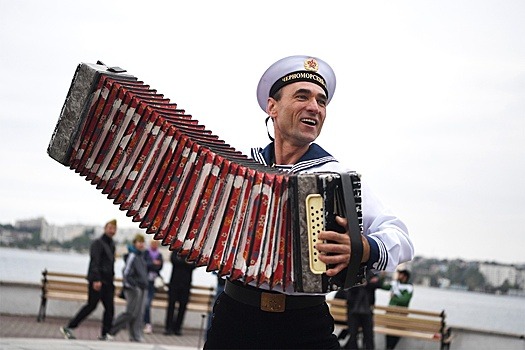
(409, 318)
(407, 324)
(404, 310)
(65, 285)
(407, 333)
(67, 295)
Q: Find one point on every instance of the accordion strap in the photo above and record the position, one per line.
(356, 245)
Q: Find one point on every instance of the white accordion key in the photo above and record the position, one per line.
(315, 219)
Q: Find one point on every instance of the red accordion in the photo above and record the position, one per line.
(197, 194)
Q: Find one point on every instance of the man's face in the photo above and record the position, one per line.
(110, 230)
(299, 115)
(402, 278)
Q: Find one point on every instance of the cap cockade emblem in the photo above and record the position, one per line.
(311, 64)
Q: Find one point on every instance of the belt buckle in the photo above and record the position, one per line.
(273, 302)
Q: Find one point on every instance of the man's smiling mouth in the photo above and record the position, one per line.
(308, 121)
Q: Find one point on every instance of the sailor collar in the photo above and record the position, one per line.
(314, 157)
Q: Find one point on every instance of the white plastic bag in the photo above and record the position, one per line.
(158, 282)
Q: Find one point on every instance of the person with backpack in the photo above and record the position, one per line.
(135, 284)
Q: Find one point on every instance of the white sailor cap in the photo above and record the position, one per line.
(293, 69)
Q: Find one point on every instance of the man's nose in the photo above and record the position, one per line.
(313, 105)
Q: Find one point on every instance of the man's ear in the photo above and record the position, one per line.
(270, 107)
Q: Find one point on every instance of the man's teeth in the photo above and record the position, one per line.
(309, 121)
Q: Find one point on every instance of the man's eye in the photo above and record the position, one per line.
(322, 103)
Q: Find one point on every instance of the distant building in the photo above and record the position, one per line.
(62, 233)
(31, 224)
(496, 274)
(520, 278)
(9, 236)
(425, 281)
(443, 282)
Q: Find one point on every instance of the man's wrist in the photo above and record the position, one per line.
(366, 249)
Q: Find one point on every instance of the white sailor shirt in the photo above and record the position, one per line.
(390, 244)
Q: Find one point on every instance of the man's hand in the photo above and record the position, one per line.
(97, 285)
(337, 252)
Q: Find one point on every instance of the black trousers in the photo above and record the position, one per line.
(366, 322)
(180, 295)
(236, 325)
(105, 295)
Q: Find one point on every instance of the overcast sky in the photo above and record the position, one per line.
(429, 105)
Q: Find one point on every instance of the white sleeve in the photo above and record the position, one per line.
(387, 230)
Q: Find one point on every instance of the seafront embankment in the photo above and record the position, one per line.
(23, 299)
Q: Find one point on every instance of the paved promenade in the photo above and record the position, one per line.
(24, 332)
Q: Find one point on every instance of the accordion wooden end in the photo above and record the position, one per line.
(196, 193)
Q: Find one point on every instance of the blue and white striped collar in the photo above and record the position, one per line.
(314, 157)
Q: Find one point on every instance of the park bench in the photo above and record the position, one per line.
(74, 287)
(401, 322)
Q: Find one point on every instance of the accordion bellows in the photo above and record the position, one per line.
(190, 189)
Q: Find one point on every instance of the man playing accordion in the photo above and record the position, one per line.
(295, 92)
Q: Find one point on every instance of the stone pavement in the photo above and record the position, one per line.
(24, 332)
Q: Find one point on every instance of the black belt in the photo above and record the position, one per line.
(268, 300)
